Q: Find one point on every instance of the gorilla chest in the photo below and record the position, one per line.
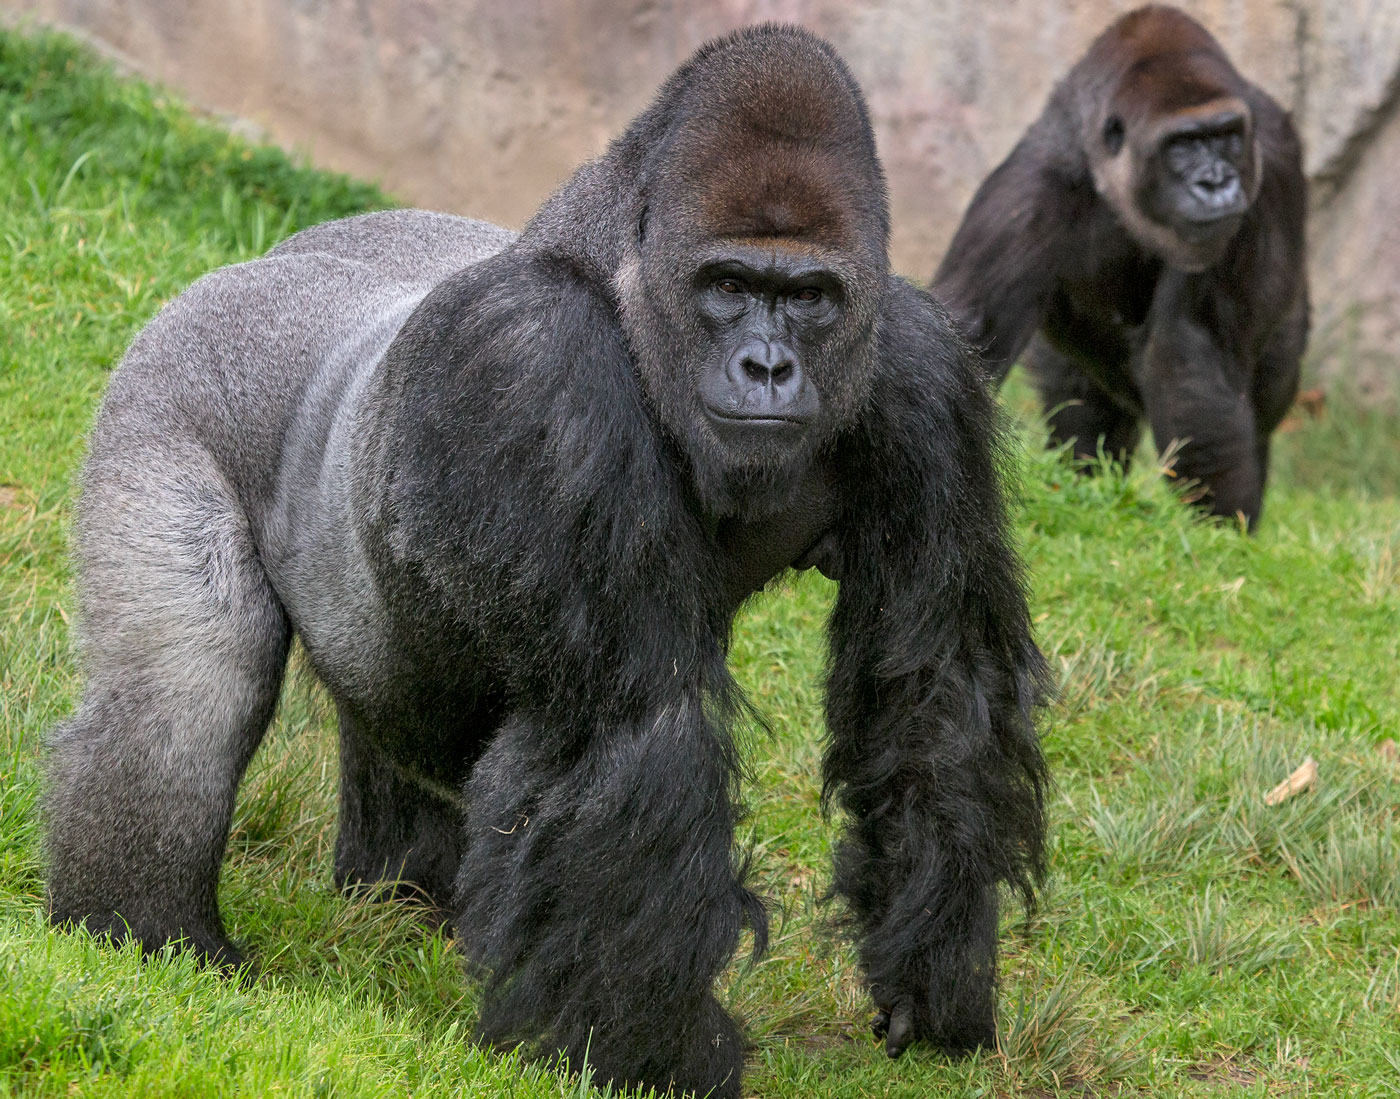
(1097, 317)
(800, 534)
(1112, 291)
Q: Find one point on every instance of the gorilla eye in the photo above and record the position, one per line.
(1113, 135)
(808, 294)
(729, 286)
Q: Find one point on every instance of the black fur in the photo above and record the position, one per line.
(509, 493)
(934, 679)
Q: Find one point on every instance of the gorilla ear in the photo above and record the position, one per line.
(642, 222)
(1113, 133)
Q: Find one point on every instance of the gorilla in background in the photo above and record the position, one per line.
(1145, 238)
(509, 492)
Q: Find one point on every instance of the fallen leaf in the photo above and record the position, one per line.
(1296, 783)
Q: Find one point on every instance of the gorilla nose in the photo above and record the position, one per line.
(767, 364)
(1219, 192)
(762, 382)
(767, 382)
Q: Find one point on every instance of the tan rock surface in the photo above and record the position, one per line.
(482, 106)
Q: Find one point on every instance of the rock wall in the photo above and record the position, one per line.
(483, 106)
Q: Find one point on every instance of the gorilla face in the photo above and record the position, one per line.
(754, 344)
(1201, 166)
(1182, 181)
(766, 312)
(1198, 176)
(762, 350)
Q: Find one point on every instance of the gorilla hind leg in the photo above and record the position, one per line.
(185, 645)
(393, 827)
(1079, 411)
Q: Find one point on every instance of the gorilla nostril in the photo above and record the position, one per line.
(1216, 182)
(756, 371)
(764, 373)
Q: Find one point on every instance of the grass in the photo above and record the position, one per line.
(1192, 941)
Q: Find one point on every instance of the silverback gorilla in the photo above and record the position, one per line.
(509, 492)
(1148, 230)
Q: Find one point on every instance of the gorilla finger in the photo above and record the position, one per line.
(900, 1031)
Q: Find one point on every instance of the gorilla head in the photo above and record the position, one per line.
(1169, 135)
(754, 260)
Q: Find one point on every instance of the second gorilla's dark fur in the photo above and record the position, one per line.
(1144, 240)
(509, 492)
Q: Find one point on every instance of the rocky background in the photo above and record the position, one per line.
(483, 106)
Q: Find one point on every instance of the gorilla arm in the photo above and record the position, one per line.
(1196, 393)
(1004, 260)
(934, 681)
(597, 887)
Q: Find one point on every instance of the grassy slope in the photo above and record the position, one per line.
(1192, 941)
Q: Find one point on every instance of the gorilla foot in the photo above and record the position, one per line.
(895, 1023)
(896, 1027)
(211, 949)
(217, 954)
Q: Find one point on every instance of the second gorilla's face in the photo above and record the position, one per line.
(1181, 180)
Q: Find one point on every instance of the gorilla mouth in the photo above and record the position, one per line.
(1213, 221)
(758, 417)
(730, 417)
(757, 431)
